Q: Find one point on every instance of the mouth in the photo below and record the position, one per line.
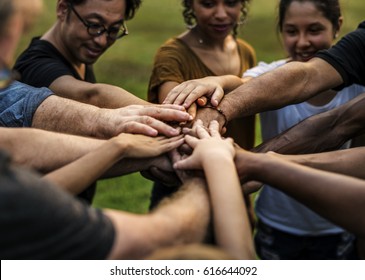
(305, 56)
(94, 52)
(222, 27)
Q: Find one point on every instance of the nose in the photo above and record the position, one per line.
(303, 40)
(102, 40)
(221, 12)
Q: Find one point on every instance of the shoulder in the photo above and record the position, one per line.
(244, 46)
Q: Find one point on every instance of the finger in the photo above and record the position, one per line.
(184, 93)
(165, 114)
(202, 132)
(217, 96)
(191, 141)
(214, 129)
(192, 110)
(202, 101)
(183, 164)
(173, 94)
(136, 127)
(198, 92)
(173, 144)
(170, 106)
(174, 155)
(150, 126)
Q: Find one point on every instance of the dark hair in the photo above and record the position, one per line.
(330, 8)
(6, 11)
(189, 17)
(130, 10)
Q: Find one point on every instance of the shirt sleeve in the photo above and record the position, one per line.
(348, 57)
(19, 103)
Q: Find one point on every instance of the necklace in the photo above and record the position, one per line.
(216, 57)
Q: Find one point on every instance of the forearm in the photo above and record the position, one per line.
(42, 150)
(349, 162)
(178, 220)
(323, 132)
(229, 82)
(109, 96)
(67, 116)
(291, 83)
(232, 228)
(338, 198)
(79, 174)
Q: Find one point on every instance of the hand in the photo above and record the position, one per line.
(206, 143)
(251, 187)
(146, 119)
(141, 146)
(190, 91)
(160, 169)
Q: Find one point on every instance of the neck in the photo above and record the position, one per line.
(200, 39)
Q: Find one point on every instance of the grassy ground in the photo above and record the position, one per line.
(128, 64)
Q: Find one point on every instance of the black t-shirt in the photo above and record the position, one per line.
(41, 63)
(41, 221)
(348, 57)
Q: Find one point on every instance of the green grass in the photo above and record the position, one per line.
(129, 62)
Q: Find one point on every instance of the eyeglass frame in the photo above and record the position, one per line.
(101, 32)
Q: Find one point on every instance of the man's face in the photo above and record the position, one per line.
(78, 43)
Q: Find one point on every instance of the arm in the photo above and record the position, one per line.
(231, 224)
(68, 116)
(291, 83)
(348, 162)
(171, 223)
(97, 162)
(44, 150)
(100, 95)
(323, 132)
(336, 197)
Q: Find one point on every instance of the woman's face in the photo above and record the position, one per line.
(305, 31)
(216, 18)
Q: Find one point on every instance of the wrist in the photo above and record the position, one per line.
(220, 112)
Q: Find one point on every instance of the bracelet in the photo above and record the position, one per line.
(220, 111)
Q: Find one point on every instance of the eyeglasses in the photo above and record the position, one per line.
(7, 76)
(96, 30)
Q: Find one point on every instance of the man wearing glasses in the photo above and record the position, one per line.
(63, 57)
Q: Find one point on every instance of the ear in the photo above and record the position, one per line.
(62, 9)
(340, 21)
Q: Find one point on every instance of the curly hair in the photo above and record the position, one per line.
(130, 10)
(189, 17)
